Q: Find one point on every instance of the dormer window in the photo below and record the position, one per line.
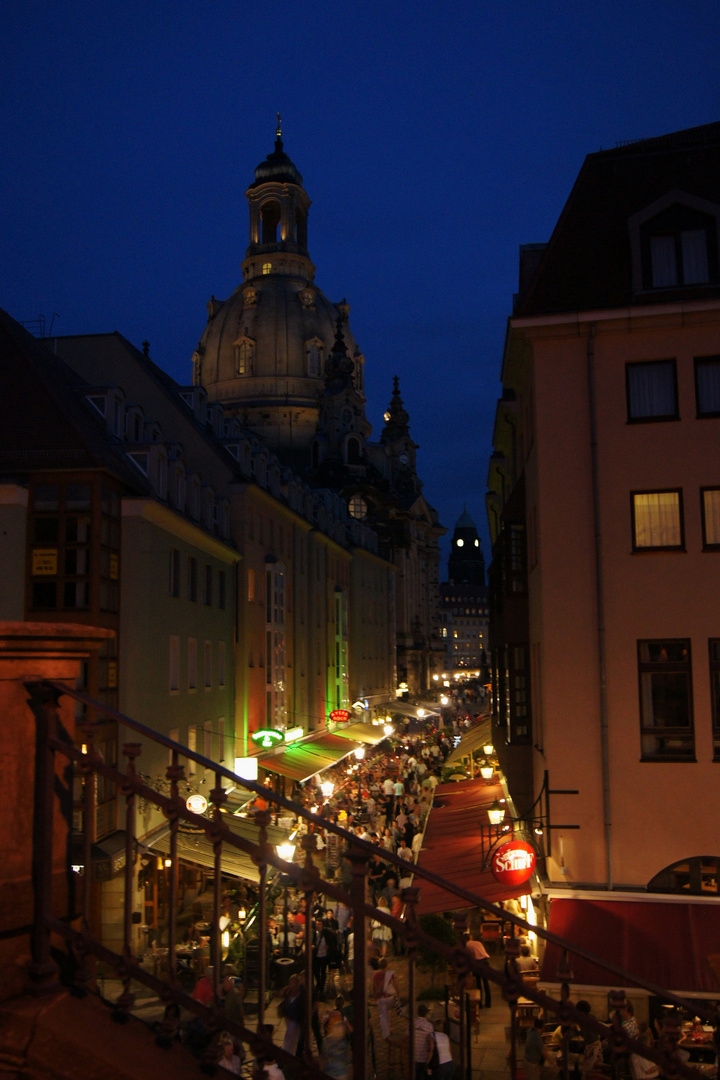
(679, 259)
(675, 243)
(357, 508)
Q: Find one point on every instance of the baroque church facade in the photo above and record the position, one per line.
(281, 358)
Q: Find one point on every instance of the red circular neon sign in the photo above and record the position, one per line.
(513, 863)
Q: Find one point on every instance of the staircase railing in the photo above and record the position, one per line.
(76, 930)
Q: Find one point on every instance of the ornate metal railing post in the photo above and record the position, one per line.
(43, 971)
(218, 796)
(84, 973)
(262, 817)
(126, 1000)
(175, 773)
(358, 894)
(308, 882)
(512, 993)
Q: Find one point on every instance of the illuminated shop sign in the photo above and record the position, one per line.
(267, 737)
(513, 863)
(197, 804)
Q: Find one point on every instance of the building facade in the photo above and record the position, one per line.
(464, 602)
(603, 507)
(280, 357)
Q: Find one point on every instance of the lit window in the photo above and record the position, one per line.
(657, 520)
(651, 391)
(666, 717)
(707, 385)
(357, 508)
(711, 517)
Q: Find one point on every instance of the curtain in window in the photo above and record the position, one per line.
(711, 515)
(708, 386)
(651, 389)
(694, 256)
(664, 265)
(657, 519)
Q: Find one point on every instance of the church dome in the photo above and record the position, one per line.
(277, 167)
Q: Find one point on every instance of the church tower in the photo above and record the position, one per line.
(265, 350)
(466, 565)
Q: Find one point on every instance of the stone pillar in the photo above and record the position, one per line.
(29, 654)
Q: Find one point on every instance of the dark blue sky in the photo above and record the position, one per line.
(433, 139)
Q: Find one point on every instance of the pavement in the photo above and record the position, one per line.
(489, 1045)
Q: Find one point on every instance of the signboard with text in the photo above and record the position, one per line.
(513, 863)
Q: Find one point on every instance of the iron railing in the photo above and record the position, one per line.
(53, 742)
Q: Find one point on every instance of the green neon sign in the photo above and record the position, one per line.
(267, 737)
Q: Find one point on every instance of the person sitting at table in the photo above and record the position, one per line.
(592, 1051)
(536, 1053)
(526, 961)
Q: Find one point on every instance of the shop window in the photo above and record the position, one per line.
(707, 385)
(651, 388)
(657, 520)
(666, 707)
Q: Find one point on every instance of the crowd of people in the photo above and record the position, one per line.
(383, 801)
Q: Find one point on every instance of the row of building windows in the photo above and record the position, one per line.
(213, 742)
(658, 520)
(652, 390)
(192, 665)
(213, 589)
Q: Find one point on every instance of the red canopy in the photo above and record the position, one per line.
(675, 944)
(452, 847)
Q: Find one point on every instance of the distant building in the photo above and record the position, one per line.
(464, 602)
(281, 358)
(604, 511)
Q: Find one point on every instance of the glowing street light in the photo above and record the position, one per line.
(286, 850)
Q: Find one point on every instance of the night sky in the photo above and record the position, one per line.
(433, 139)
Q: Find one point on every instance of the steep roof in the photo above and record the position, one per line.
(44, 421)
(588, 262)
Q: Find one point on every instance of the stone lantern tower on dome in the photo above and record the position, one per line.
(265, 350)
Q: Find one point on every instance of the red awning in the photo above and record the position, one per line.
(675, 944)
(452, 848)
